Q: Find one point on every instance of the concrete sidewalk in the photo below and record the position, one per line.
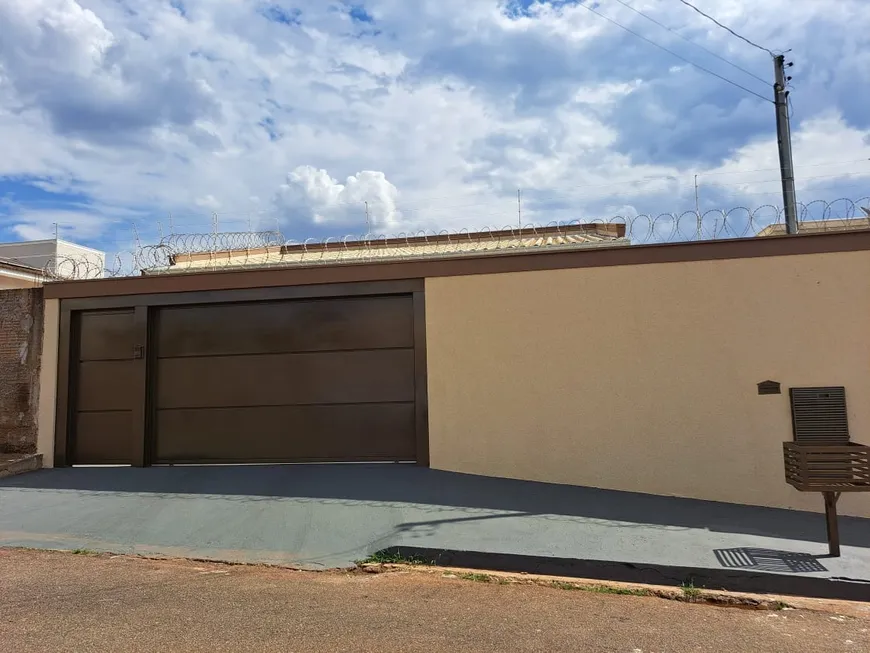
(325, 516)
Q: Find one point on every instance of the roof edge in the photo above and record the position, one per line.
(494, 263)
(612, 231)
(21, 267)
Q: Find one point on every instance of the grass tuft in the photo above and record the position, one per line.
(478, 578)
(690, 592)
(391, 558)
(84, 552)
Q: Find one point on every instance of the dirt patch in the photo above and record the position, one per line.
(95, 601)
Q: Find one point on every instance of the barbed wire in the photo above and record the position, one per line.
(66, 268)
(198, 252)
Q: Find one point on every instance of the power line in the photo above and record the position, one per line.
(808, 165)
(566, 193)
(802, 179)
(728, 29)
(567, 196)
(690, 41)
(778, 193)
(671, 52)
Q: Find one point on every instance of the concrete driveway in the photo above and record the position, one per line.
(323, 516)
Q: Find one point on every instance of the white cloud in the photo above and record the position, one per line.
(142, 108)
(311, 194)
(40, 224)
(207, 202)
(89, 81)
(52, 36)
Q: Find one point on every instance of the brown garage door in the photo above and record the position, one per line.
(107, 391)
(285, 381)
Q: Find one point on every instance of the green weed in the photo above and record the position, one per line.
(479, 578)
(391, 558)
(84, 552)
(690, 592)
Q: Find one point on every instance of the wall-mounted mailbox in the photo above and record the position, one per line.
(769, 388)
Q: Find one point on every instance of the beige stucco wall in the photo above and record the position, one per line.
(643, 377)
(48, 382)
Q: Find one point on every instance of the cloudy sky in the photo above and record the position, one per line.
(119, 116)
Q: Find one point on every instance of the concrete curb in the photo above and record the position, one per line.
(712, 598)
(684, 595)
(26, 463)
(646, 574)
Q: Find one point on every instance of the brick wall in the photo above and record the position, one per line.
(21, 322)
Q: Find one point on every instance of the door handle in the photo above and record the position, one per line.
(138, 351)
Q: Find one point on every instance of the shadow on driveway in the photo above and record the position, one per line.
(392, 483)
(780, 562)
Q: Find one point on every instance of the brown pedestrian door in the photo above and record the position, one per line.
(108, 392)
(285, 381)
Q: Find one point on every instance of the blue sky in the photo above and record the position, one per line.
(125, 119)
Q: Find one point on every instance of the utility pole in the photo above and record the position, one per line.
(368, 223)
(783, 137)
(697, 211)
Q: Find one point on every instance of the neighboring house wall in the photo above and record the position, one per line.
(67, 259)
(78, 262)
(35, 253)
(643, 377)
(21, 320)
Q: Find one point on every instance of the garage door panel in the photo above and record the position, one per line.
(104, 437)
(104, 388)
(106, 335)
(282, 433)
(288, 381)
(297, 326)
(376, 376)
(106, 385)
